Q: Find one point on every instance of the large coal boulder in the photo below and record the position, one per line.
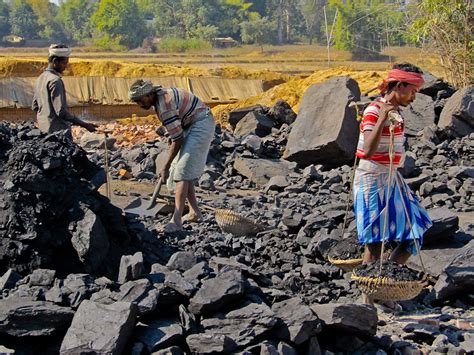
(326, 130)
(433, 86)
(254, 123)
(458, 113)
(51, 216)
(458, 276)
(420, 114)
(260, 171)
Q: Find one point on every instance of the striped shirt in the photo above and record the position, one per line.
(381, 155)
(176, 109)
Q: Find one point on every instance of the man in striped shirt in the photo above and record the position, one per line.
(387, 210)
(190, 125)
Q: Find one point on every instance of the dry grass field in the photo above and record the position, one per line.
(288, 59)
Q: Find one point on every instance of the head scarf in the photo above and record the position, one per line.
(403, 77)
(56, 50)
(141, 88)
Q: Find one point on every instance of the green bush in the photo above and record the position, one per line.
(172, 44)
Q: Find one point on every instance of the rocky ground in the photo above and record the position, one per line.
(81, 277)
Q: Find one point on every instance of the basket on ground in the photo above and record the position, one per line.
(388, 289)
(347, 264)
(235, 223)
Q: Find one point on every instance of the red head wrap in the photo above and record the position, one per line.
(403, 77)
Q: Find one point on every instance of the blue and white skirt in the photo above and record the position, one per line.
(371, 189)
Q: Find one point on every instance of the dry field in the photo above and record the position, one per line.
(288, 59)
(293, 67)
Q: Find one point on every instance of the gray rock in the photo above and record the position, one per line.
(90, 240)
(260, 171)
(187, 319)
(140, 293)
(172, 350)
(458, 275)
(42, 277)
(243, 325)
(354, 318)
(253, 143)
(182, 261)
(298, 323)
(5, 351)
(236, 115)
(210, 343)
(418, 115)
(282, 113)
(277, 183)
(21, 317)
(206, 182)
(433, 85)
(218, 292)
(99, 329)
(131, 267)
(409, 165)
(159, 334)
(436, 256)
(310, 140)
(254, 123)
(458, 113)
(445, 223)
(313, 347)
(198, 271)
(178, 283)
(9, 280)
(91, 140)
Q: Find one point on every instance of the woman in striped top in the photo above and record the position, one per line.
(190, 125)
(371, 183)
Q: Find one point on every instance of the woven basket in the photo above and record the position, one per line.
(387, 289)
(236, 224)
(347, 264)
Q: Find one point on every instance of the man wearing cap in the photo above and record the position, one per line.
(387, 210)
(49, 100)
(190, 126)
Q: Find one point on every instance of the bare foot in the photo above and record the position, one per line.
(366, 299)
(192, 217)
(172, 228)
(390, 306)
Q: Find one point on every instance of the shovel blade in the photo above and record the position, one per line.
(143, 208)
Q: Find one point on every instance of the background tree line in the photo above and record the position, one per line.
(127, 23)
(364, 27)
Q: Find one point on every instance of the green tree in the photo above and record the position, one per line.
(120, 22)
(287, 16)
(207, 32)
(4, 20)
(75, 15)
(258, 30)
(52, 27)
(448, 27)
(364, 27)
(312, 11)
(23, 20)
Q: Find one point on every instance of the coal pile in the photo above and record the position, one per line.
(51, 214)
(391, 270)
(347, 248)
(205, 291)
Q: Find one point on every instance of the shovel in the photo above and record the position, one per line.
(148, 208)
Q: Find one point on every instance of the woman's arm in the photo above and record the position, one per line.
(372, 137)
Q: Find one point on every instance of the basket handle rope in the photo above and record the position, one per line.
(389, 191)
(390, 177)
